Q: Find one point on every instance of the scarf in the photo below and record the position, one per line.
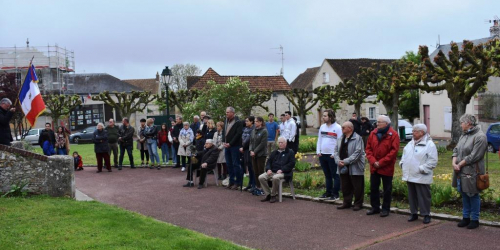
(343, 153)
(381, 132)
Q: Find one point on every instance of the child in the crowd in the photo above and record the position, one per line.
(77, 159)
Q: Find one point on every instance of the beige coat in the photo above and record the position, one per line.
(471, 147)
(220, 145)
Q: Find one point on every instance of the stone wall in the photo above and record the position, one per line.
(52, 175)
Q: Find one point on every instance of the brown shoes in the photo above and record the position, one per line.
(235, 187)
(356, 208)
(344, 206)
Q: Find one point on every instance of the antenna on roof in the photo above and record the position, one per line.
(495, 29)
(282, 59)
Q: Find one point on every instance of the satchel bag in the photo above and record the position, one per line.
(482, 180)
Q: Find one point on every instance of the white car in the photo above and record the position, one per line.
(33, 135)
(408, 129)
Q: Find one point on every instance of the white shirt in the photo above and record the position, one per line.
(289, 130)
(327, 138)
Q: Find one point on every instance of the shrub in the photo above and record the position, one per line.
(441, 150)
(441, 195)
(302, 166)
(308, 145)
(16, 190)
(307, 181)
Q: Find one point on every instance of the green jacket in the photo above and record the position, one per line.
(112, 134)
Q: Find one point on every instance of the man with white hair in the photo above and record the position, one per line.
(208, 160)
(6, 113)
(278, 166)
(381, 150)
(418, 161)
(195, 126)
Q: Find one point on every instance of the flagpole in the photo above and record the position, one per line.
(29, 67)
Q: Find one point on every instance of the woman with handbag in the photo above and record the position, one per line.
(219, 143)
(186, 138)
(468, 164)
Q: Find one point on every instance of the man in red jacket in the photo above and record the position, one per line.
(381, 150)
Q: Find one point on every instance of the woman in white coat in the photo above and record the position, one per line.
(418, 161)
(186, 137)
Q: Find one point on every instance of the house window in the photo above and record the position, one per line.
(371, 113)
(447, 119)
(326, 77)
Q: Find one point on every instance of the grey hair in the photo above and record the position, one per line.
(196, 117)
(468, 118)
(6, 101)
(420, 127)
(231, 109)
(185, 123)
(100, 124)
(180, 117)
(384, 118)
(282, 138)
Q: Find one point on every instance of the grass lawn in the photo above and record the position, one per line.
(88, 155)
(60, 223)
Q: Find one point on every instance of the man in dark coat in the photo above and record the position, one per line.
(126, 134)
(48, 136)
(207, 163)
(231, 136)
(175, 138)
(279, 166)
(6, 113)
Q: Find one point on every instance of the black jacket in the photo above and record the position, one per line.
(127, 135)
(47, 135)
(100, 139)
(366, 128)
(234, 135)
(5, 134)
(176, 132)
(210, 157)
(356, 123)
(284, 161)
(151, 133)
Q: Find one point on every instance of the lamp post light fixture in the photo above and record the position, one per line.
(166, 78)
(275, 98)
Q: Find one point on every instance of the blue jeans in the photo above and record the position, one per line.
(153, 152)
(332, 179)
(232, 155)
(471, 205)
(164, 152)
(61, 151)
(174, 155)
(129, 152)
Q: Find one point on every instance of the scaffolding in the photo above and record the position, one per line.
(54, 66)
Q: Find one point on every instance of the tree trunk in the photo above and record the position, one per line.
(303, 124)
(392, 113)
(357, 108)
(457, 110)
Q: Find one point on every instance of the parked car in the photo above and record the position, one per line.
(85, 135)
(32, 135)
(493, 137)
(408, 129)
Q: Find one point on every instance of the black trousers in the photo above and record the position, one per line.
(353, 185)
(375, 194)
(129, 152)
(190, 171)
(203, 174)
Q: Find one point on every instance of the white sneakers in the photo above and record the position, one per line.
(183, 169)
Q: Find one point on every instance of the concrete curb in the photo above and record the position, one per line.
(79, 196)
(393, 209)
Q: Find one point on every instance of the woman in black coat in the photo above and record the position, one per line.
(101, 147)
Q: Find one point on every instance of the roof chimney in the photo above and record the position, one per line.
(495, 29)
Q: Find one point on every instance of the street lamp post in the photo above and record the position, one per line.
(166, 77)
(275, 98)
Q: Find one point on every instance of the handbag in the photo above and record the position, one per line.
(170, 137)
(482, 180)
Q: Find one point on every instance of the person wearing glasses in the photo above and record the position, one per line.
(381, 150)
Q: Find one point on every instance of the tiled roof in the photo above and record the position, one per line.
(192, 80)
(273, 83)
(97, 83)
(349, 68)
(305, 80)
(150, 84)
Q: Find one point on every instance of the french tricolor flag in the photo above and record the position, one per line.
(30, 98)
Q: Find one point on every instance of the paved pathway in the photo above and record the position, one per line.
(293, 224)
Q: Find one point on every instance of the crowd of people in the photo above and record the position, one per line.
(235, 147)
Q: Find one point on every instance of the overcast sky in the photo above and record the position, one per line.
(135, 39)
